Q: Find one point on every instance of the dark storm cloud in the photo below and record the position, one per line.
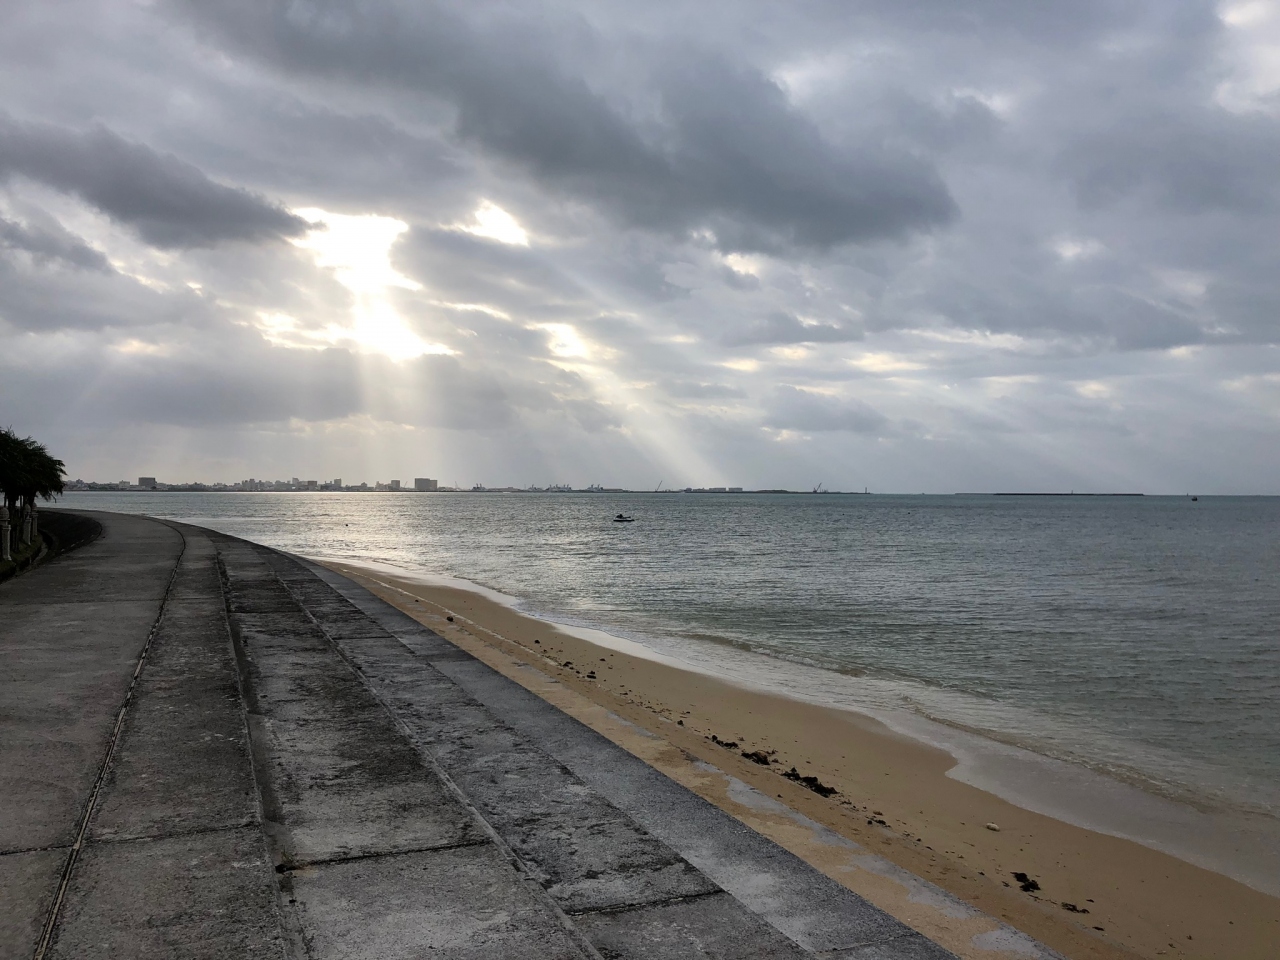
(52, 244)
(170, 202)
(763, 175)
(803, 410)
(350, 157)
(723, 150)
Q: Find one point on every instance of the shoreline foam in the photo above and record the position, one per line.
(1138, 894)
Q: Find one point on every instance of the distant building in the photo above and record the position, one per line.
(147, 483)
(425, 484)
(735, 489)
(394, 484)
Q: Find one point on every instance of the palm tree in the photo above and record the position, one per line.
(27, 471)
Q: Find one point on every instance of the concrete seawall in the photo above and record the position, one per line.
(212, 749)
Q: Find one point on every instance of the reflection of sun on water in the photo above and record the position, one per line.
(357, 249)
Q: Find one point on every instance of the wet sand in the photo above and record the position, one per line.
(893, 799)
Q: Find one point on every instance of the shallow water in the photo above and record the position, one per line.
(1134, 635)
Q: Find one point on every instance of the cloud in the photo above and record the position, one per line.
(52, 245)
(916, 219)
(804, 410)
(783, 328)
(683, 389)
(43, 297)
(722, 150)
(1190, 162)
(170, 202)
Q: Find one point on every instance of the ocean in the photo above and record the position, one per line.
(1132, 637)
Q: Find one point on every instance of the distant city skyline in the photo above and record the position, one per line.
(418, 485)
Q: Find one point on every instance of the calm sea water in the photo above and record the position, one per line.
(1136, 635)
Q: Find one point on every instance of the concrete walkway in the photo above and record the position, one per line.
(211, 749)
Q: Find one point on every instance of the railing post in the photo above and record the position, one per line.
(4, 533)
(24, 527)
(35, 522)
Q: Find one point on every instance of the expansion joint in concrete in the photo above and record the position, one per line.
(86, 817)
(21, 850)
(290, 866)
(259, 769)
(176, 834)
(646, 904)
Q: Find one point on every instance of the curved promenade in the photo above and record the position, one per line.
(211, 749)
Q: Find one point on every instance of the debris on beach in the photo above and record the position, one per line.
(993, 827)
(450, 619)
(813, 783)
(1028, 885)
(727, 744)
(1072, 908)
(757, 756)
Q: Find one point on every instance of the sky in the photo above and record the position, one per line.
(903, 245)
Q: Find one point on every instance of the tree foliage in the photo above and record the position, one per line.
(27, 470)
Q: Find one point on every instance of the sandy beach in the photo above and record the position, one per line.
(841, 778)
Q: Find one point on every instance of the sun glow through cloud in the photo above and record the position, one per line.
(605, 261)
(1253, 56)
(494, 223)
(564, 340)
(358, 251)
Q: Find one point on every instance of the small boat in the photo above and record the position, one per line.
(623, 518)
